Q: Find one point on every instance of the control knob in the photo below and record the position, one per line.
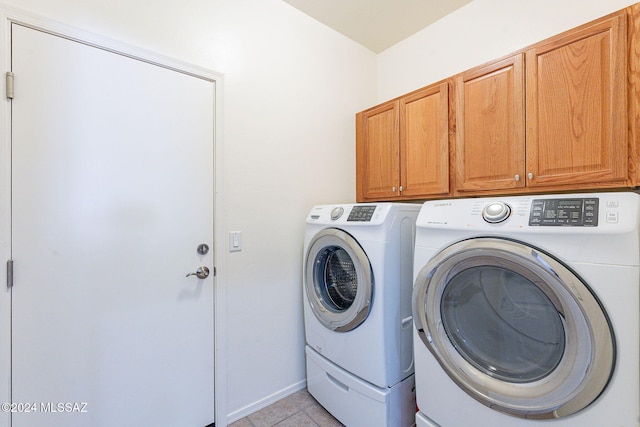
(337, 213)
(496, 212)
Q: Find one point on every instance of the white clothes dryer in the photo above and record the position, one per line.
(526, 310)
(358, 277)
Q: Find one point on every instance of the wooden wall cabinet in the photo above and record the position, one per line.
(378, 152)
(402, 147)
(577, 106)
(551, 117)
(561, 115)
(490, 126)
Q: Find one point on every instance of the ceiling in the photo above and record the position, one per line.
(377, 24)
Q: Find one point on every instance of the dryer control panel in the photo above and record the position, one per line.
(576, 212)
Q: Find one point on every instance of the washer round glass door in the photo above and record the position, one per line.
(514, 328)
(338, 280)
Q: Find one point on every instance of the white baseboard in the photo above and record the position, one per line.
(263, 403)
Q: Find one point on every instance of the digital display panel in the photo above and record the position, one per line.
(361, 213)
(564, 212)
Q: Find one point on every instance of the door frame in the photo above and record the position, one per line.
(8, 16)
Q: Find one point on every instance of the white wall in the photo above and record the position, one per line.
(478, 32)
(291, 89)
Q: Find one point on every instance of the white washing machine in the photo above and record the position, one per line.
(358, 277)
(526, 311)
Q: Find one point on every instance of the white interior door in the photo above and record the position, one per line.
(112, 193)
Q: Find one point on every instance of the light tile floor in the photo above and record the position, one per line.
(297, 410)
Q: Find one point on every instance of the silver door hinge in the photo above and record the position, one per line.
(10, 273)
(9, 84)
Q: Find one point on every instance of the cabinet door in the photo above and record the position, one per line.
(378, 153)
(576, 106)
(424, 142)
(490, 126)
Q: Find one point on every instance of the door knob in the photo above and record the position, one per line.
(201, 273)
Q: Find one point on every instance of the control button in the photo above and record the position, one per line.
(337, 213)
(612, 216)
(496, 212)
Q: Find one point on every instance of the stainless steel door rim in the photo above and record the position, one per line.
(569, 382)
(338, 280)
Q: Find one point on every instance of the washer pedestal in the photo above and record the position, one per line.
(355, 402)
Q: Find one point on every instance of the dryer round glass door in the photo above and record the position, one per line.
(514, 327)
(338, 280)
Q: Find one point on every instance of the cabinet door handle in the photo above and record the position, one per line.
(393, 189)
(401, 188)
(530, 175)
(517, 177)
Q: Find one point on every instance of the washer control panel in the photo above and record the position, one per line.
(575, 212)
(361, 213)
(364, 215)
(548, 214)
